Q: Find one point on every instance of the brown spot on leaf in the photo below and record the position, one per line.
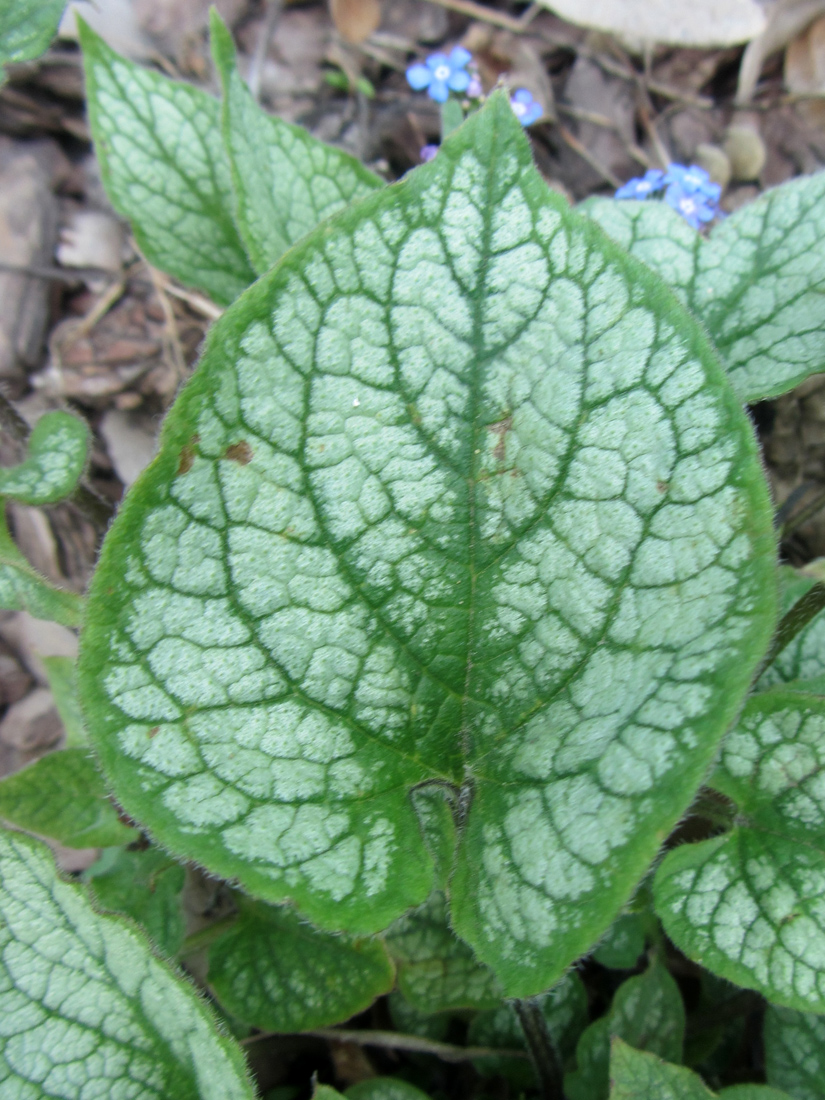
(663, 486)
(187, 455)
(500, 428)
(153, 732)
(239, 452)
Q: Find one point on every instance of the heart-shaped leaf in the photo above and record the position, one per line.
(57, 455)
(277, 973)
(164, 168)
(757, 282)
(795, 1052)
(748, 904)
(87, 1009)
(459, 496)
(285, 180)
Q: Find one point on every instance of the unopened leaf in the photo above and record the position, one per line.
(437, 972)
(27, 27)
(285, 180)
(23, 589)
(757, 282)
(803, 659)
(87, 1009)
(384, 1088)
(458, 495)
(702, 23)
(795, 1052)
(647, 1011)
(145, 885)
(276, 972)
(748, 904)
(62, 796)
(164, 168)
(57, 454)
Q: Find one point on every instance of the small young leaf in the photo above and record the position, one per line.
(623, 943)
(757, 282)
(285, 180)
(87, 1009)
(62, 796)
(437, 972)
(748, 904)
(277, 973)
(647, 1012)
(145, 885)
(27, 27)
(803, 658)
(384, 1088)
(795, 1052)
(164, 168)
(60, 672)
(23, 589)
(458, 494)
(564, 1009)
(57, 455)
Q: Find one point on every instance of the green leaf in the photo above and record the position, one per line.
(164, 168)
(757, 282)
(803, 658)
(63, 796)
(437, 972)
(23, 589)
(564, 1009)
(748, 904)
(647, 1012)
(384, 1088)
(60, 672)
(87, 1009)
(285, 180)
(637, 1075)
(795, 1052)
(624, 942)
(27, 27)
(145, 885)
(458, 495)
(277, 973)
(57, 454)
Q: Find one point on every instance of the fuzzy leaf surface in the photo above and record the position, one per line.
(145, 885)
(285, 180)
(23, 589)
(87, 1009)
(757, 281)
(57, 454)
(27, 28)
(750, 904)
(795, 1052)
(647, 1011)
(62, 795)
(437, 972)
(164, 168)
(276, 972)
(459, 495)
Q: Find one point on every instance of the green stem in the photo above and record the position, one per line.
(542, 1048)
(451, 117)
(792, 622)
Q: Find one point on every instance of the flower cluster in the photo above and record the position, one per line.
(443, 73)
(688, 189)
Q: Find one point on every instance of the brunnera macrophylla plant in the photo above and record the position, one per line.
(454, 569)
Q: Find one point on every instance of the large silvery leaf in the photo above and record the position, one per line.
(57, 455)
(757, 282)
(27, 27)
(87, 1009)
(795, 1052)
(23, 589)
(285, 180)
(277, 973)
(458, 496)
(436, 971)
(164, 168)
(63, 796)
(750, 904)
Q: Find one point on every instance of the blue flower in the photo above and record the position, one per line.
(527, 109)
(695, 207)
(693, 180)
(440, 74)
(642, 186)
